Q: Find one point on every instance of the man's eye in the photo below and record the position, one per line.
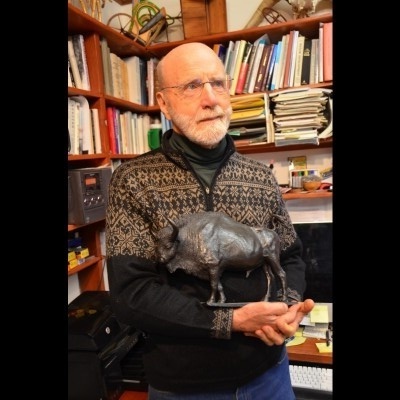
(192, 86)
(217, 84)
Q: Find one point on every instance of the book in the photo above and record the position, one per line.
(238, 64)
(293, 57)
(106, 62)
(151, 80)
(250, 67)
(275, 74)
(74, 64)
(116, 75)
(257, 60)
(124, 79)
(117, 130)
(78, 42)
(327, 51)
(305, 68)
(270, 60)
(111, 131)
(288, 60)
(70, 82)
(321, 53)
(282, 61)
(314, 61)
(133, 68)
(220, 51)
(228, 56)
(86, 145)
(246, 103)
(262, 69)
(232, 61)
(96, 131)
(299, 61)
(73, 125)
(271, 66)
(244, 69)
(143, 79)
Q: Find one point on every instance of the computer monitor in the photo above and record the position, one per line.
(317, 254)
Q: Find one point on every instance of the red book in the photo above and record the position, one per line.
(327, 51)
(244, 69)
(111, 131)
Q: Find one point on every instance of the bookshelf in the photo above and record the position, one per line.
(90, 273)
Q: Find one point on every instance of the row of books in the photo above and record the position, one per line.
(128, 131)
(293, 61)
(301, 116)
(83, 127)
(288, 117)
(78, 74)
(130, 78)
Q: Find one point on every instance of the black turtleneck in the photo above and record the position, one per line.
(204, 161)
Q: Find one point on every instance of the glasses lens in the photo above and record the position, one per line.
(194, 89)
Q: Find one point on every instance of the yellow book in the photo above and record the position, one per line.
(247, 113)
(248, 103)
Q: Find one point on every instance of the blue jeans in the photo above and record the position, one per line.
(274, 384)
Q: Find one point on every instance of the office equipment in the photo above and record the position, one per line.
(87, 194)
(311, 382)
(102, 356)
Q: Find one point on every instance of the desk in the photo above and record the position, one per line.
(306, 352)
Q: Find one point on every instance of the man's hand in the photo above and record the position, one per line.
(253, 316)
(283, 325)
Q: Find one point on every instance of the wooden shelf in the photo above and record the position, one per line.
(271, 148)
(318, 194)
(83, 266)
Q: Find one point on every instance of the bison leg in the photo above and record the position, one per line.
(277, 271)
(268, 275)
(216, 287)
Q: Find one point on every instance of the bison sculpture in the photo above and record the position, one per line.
(206, 244)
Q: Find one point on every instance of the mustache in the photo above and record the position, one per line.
(217, 112)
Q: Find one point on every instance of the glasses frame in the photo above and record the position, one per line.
(182, 87)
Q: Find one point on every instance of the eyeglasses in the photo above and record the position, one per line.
(194, 88)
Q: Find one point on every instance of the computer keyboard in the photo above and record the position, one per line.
(311, 382)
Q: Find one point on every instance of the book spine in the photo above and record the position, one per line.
(257, 61)
(96, 130)
(327, 51)
(111, 132)
(250, 68)
(305, 68)
(244, 68)
(74, 64)
(80, 54)
(238, 64)
(299, 61)
(267, 68)
(262, 68)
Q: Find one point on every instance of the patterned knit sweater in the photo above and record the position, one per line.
(190, 346)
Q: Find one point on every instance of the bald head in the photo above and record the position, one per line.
(188, 57)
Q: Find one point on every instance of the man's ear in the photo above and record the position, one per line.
(162, 105)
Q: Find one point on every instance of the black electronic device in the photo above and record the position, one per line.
(317, 240)
(87, 194)
(104, 355)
